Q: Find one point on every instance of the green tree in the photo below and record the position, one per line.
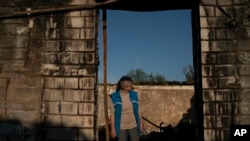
(188, 71)
(160, 79)
(141, 77)
(138, 75)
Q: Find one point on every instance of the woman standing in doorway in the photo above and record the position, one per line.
(125, 117)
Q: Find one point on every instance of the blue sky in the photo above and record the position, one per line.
(158, 42)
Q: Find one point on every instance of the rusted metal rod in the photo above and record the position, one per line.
(104, 14)
(151, 122)
(57, 9)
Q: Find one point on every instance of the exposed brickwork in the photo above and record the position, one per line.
(224, 65)
(48, 73)
(48, 69)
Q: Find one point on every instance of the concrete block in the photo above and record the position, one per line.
(54, 82)
(207, 70)
(244, 108)
(209, 82)
(69, 108)
(74, 22)
(209, 121)
(209, 58)
(69, 58)
(87, 83)
(90, 22)
(62, 108)
(244, 119)
(243, 58)
(207, 11)
(210, 135)
(73, 14)
(225, 34)
(50, 58)
(209, 109)
(52, 46)
(88, 33)
(52, 34)
(244, 82)
(79, 95)
(224, 70)
(79, 45)
(207, 34)
(224, 109)
(79, 121)
(52, 95)
(208, 96)
(87, 108)
(223, 46)
(68, 34)
(226, 96)
(88, 58)
(228, 82)
(50, 70)
(71, 83)
(89, 13)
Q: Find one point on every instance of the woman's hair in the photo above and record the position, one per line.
(123, 78)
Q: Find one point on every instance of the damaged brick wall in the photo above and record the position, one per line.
(48, 67)
(225, 65)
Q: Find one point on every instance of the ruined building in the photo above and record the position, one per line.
(49, 64)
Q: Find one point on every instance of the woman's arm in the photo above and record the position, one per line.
(141, 123)
(112, 125)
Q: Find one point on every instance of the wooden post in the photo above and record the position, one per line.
(104, 14)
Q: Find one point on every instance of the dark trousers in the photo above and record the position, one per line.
(129, 135)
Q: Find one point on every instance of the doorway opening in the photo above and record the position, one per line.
(157, 42)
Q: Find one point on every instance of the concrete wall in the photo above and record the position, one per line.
(158, 103)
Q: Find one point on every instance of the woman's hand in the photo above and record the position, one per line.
(113, 133)
(142, 128)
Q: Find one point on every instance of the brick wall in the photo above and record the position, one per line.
(48, 67)
(224, 28)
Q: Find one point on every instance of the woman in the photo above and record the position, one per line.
(125, 117)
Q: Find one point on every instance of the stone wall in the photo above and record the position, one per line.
(158, 103)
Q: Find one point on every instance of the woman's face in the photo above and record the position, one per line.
(126, 85)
